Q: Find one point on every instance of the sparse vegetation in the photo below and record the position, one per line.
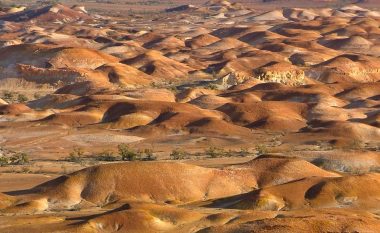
(127, 154)
(14, 158)
(3, 161)
(19, 90)
(178, 154)
(261, 149)
(148, 155)
(215, 152)
(76, 156)
(21, 98)
(106, 156)
(20, 158)
(8, 96)
(212, 86)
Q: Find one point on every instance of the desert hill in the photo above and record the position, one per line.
(84, 186)
(58, 13)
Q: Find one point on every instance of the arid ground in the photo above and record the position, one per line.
(179, 116)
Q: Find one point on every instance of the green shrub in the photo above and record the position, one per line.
(19, 158)
(214, 152)
(177, 154)
(261, 149)
(212, 86)
(127, 154)
(4, 161)
(21, 98)
(76, 156)
(7, 95)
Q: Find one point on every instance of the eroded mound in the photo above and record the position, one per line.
(163, 183)
(359, 192)
(51, 13)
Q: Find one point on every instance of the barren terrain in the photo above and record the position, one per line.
(165, 116)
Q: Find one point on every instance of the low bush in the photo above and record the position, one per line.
(21, 98)
(19, 158)
(148, 155)
(215, 152)
(106, 156)
(177, 154)
(76, 156)
(261, 149)
(127, 154)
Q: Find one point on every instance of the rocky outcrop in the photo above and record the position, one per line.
(281, 73)
(231, 79)
(49, 75)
